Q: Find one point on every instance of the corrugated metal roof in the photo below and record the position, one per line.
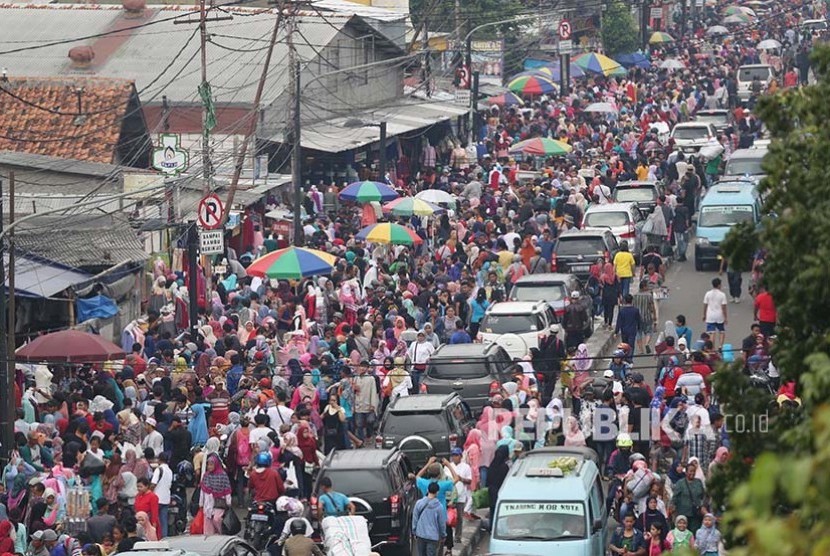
(333, 136)
(34, 278)
(31, 203)
(83, 248)
(234, 57)
(58, 165)
(369, 12)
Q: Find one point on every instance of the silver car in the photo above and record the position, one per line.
(625, 220)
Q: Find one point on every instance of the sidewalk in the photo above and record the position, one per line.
(471, 534)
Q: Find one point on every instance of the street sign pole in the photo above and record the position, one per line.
(565, 47)
(192, 270)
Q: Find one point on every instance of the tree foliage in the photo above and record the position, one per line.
(619, 31)
(776, 488)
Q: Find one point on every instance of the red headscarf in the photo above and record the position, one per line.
(306, 442)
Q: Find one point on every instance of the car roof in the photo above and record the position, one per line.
(546, 277)
(612, 207)
(199, 544)
(358, 459)
(529, 479)
(583, 233)
(635, 183)
(752, 152)
(516, 307)
(713, 111)
(463, 350)
(421, 402)
(690, 124)
(730, 193)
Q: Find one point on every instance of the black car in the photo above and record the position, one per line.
(644, 193)
(425, 425)
(469, 369)
(379, 484)
(576, 250)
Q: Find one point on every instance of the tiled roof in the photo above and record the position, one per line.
(40, 115)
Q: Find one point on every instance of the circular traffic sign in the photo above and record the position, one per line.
(564, 29)
(211, 211)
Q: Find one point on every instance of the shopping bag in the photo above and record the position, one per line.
(197, 526)
(230, 523)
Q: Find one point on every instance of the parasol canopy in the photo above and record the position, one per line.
(435, 196)
(387, 232)
(524, 84)
(367, 191)
(407, 206)
(292, 263)
(505, 99)
(659, 37)
(600, 64)
(541, 146)
(768, 44)
(634, 60)
(717, 30)
(601, 107)
(71, 346)
(672, 64)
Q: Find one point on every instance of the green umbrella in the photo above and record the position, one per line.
(292, 262)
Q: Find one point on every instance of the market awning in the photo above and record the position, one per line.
(39, 279)
(333, 136)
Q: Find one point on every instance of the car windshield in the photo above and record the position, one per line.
(634, 194)
(724, 215)
(748, 74)
(690, 133)
(606, 219)
(530, 291)
(744, 167)
(451, 369)
(359, 482)
(586, 246)
(405, 424)
(508, 324)
(540, 521)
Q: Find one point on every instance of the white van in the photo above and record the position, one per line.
(748, 73)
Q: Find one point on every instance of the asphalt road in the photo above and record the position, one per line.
(687, 288)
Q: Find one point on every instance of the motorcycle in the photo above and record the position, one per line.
(177, 511)
(263, 524)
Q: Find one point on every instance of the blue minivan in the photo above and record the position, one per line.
(544, 511)
(725, 204)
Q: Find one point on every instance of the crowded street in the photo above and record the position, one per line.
(399, 278)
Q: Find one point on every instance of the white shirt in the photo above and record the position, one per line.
(715, 301)
(280, 415)
(163, 479)
(694, 410)
(419, 352)
(604, 194)
(260, 433)
(462, 490)
(155, 441)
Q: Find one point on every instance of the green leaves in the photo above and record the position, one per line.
(619, 31)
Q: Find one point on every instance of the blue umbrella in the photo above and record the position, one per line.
(552, 70)
(633, 60)
(366, 191)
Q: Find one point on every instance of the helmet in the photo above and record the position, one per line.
(292, 506)
(298, 527)
(625, 347)
(635, 457)
(618, 353)
(185, 473)
(263, 459)
(624, 440)
(575, 294)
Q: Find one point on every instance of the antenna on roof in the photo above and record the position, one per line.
(5, 76)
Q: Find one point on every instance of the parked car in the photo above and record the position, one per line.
(690, 137)
(517, 326)
(747, 74)
(725, 204)
(468, 369)
(425, 425)
(552, 287)
(745, 163)
(576, 250)
(195, 545)
(625, 220)
(721, 118)
(644, 193)
(378, 483)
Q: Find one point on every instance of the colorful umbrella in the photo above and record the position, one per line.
(597, 63)
(407, 206)
(72, 346)
(634, 60)
(736, 10)
(738, 18)
(541, 146)
(292, 262)
(531, 85)
(366, 191)
(659, 37)
(506, 99)
(386, 232)
(552, 71)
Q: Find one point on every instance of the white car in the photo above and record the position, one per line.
(690, 137)
(747, 74)
(518, 326)
(625, 220)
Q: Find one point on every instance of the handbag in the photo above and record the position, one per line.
(220, 504)
(291, 475)
(230, 523)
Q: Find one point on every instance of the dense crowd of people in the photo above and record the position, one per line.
(280, 372)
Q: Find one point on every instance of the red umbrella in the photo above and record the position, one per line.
(71, 346)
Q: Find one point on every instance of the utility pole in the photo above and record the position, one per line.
(684, 15)
(474, 111)
(12, 306)
(295, 127)
(6, 382)
(644, 18)
(426, 69)
(193, 280)
(382, 153)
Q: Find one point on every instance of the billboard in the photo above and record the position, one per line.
(488, 60)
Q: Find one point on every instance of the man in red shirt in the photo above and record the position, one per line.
(265, 481)
(147, 501)
(765, 312)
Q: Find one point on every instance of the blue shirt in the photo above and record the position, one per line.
(444, 487)
(429, 520)
(460, 337)
(233, 377)
(334, 504)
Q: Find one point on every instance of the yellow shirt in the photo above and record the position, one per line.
(624, 264)
(505, 258)
(642, 173)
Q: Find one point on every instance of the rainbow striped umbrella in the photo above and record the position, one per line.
(292, 262)
(506, 99)
(386, 232)
(541, 146)
(597, 63)
(659, 37)
(407, 206)
(524, 84)
(366, 191)
(552, 72)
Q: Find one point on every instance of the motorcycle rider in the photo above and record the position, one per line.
(298, 544)
(265, 482)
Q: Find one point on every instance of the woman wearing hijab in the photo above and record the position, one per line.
(720, 459)
(37, 517)
(496, 474)
(610, 293)
(292, 456)
(308, 447)
(215, 496)
(573, 434)
(507, 438)
(652, 514)
(146, 529)
(707, 538)
(6, 539)
(113, 481)
(198, 425)
(306, 392)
